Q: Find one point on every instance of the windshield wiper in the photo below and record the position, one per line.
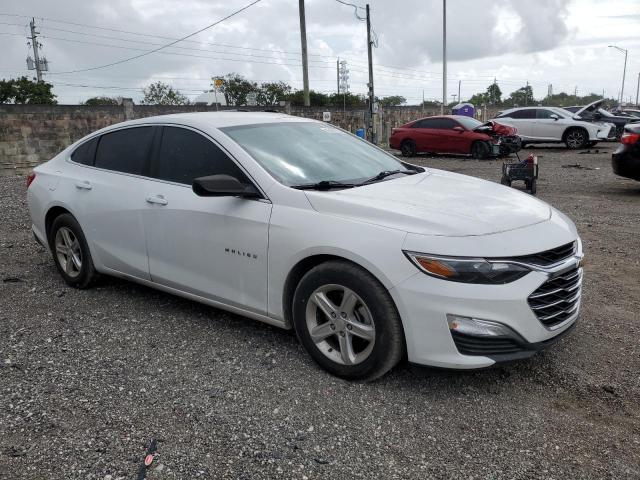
(387, 173)
(323, 185)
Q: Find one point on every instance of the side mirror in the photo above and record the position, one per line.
(458, 129)
(554, 116)
(223, 186)
(597, 115)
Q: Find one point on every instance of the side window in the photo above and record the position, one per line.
(85, 153)
(529, 113)
(427, 123)
(448, 124)
(124, 150)
(185, 155)
(543, 113)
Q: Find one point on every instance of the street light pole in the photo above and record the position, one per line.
(638, 89)
(624, 72)
(444, 56)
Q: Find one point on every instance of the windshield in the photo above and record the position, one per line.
(297, 153)
(468, 122)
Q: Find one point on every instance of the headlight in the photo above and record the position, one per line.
(468, 270)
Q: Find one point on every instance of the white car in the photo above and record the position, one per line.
(555, 125)
(302, 225)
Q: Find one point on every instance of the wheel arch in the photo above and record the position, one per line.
(52, 213)
(307, 263)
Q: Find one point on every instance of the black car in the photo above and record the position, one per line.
(626, 159)
(593, 113)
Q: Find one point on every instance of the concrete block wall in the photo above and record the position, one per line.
(32, 134)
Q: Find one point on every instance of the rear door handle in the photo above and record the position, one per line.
(157, 199)
(85, 185)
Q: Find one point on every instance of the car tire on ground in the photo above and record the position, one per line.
(505, 181)
(533, 186)
(347, 321)
(575, 138)
(479, 150)
(71, 253)
(408, 148)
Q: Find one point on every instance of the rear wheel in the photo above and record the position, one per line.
(347, 321)
(408, 148)
(576, 138)
(479, 150)
(505, 181)
(70, 252)
(533, 186)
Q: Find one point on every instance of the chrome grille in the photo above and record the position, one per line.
(558, 298)
(549, 257)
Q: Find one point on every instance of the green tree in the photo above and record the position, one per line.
(347, 99)
(271, 93)
(101, 101)
(392, 101)
(24, 90)
(159, 93)
(494, 94)
(521, 97)
(236, 88)
(317, 99)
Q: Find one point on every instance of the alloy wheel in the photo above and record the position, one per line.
(68, 252)
(340, 324)
(575, 139)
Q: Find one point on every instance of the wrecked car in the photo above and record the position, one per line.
(455, 134)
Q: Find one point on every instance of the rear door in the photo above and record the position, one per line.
(109, 197)
(450, 140)
(213, 247)
(426, 134)
(522, 119)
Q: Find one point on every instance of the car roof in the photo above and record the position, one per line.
(207, 120)
(454, 117)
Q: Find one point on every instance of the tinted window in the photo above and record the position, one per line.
(86, 152)
(531, 113)
(447, 123)
(545, 114)
(427, 123)
(185, 155)
(125, 150)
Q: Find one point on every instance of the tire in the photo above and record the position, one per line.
(533, 186)
(408, 148)
(619, 131)
(479, 150)
(358, 332)
(576, 138)
(71, 253)
(505, 181)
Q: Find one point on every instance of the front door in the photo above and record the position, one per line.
(214, 247)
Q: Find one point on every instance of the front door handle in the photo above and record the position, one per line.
(157, 199)
(84, 185)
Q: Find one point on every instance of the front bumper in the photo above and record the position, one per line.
(424, 302)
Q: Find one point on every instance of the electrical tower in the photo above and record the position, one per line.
(36, 63)
(343, 77)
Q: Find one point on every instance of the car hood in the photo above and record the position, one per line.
(592, 107)
(435, 203)
(495, 128)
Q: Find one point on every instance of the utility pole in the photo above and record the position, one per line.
(34, 44)
(305, 65)
(637, 89)
(338, 75)
(459, 84)
(371, 92)
(624, 72)
(526, 94)
(423, 99)
(444, 56)
(575, 92)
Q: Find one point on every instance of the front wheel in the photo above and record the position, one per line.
(479, 150)
(347, 321)
(576, 138)
(70, 252)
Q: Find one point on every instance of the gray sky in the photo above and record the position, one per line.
(560, 42)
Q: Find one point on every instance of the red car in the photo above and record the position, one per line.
(455, 134)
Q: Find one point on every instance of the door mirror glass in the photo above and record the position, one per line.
(458, 129)
(223, 186)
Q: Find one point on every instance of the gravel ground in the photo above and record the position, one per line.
(88, 378)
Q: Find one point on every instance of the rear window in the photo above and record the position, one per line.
(85, 153)
(124, 150)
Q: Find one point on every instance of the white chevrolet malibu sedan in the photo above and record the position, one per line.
(302, 225)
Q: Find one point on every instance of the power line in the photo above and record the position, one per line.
(168, 44)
